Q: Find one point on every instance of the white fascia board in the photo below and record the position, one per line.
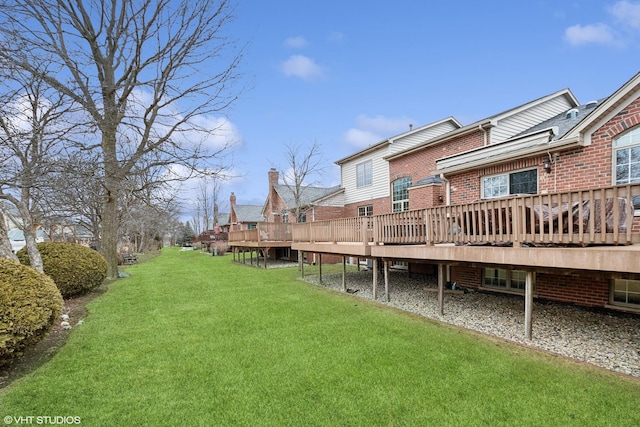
(606, 110)
(502, 153)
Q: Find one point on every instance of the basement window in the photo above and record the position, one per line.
(503, 279)
(626, 293)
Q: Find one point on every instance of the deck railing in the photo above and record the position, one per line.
(264, 232)
(581, 217)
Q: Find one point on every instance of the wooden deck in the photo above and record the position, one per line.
(592, 229)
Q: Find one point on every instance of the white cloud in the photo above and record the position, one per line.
(302, 67)
(627, 13)
(297, 42)
(371, 130)
(592, 33)
(620, 26)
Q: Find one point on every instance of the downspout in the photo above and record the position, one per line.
(447, 190)
(486, 142)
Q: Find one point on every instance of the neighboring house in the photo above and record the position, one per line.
(13, 224)
(16, 237)
(314, 204)
(244, 217)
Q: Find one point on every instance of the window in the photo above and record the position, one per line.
(285, 216)
(365, 210)
(511, 280)
(400, 194)
(523, 182)
(252, 226)
(364, 173)
(626, 292)
(627, 160)
(302, 217)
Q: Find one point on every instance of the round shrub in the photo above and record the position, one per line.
(30, 303)
(74, 268)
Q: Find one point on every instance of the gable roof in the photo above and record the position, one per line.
(308, 194)
(563, 122)
(605, 110)
(248, 213)
(412, 132)
(489, 122)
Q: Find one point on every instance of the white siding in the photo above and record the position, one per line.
(335, 200)
(518, 122)
(418, 137)
(379, 173)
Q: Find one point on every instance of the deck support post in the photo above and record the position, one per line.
(264, 252)
(301, 262)
(375, 278)
(441, 277)
(386, 280)
(344, 273)
(528, 304)
(320, 268)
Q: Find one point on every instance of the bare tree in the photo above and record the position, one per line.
(301, 163)
(32, 132)
(149, 74)
(5, 244)
(75, 193)
(210, 187)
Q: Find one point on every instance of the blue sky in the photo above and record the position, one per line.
(347, 74)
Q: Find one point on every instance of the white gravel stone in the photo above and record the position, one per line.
(607, 339)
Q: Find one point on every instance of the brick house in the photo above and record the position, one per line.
(541, 200)
(365, 174)
(243, 217)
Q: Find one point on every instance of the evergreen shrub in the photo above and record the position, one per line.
(30, 303)
(74, 268)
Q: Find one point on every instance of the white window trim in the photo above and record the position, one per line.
(508, 289)
(363, 165)
(401, 202)
(482, 178)
(620, 305)
(614, 158)
(365, 209)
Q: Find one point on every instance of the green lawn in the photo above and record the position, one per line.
(191, 339)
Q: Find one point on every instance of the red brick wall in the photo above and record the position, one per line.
(426, 196)
(380, 206)
(322, 213)
(582, 168)
(584, 290)
(421, 164)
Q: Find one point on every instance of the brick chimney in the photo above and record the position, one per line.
(233, 221)
(273, 181)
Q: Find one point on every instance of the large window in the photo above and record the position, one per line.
(400, 194)
(626, 292)
(364, 173)
(511, 280)
(627, 160)
(523, 182)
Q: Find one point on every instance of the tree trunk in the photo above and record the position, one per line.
(110, 221)
(109, 240)
(29, 231)
(5, 244)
